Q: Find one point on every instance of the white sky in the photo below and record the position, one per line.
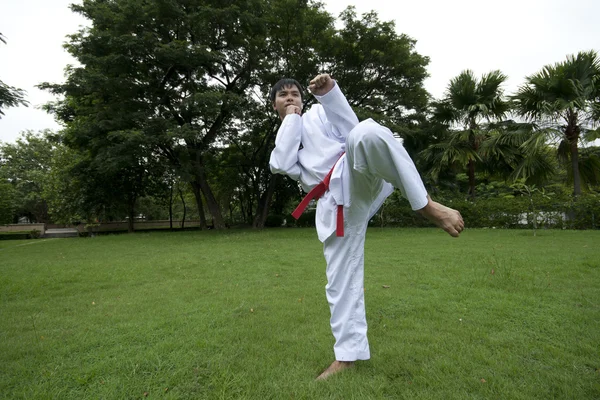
(518, 37)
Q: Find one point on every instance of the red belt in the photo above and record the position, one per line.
(316, 193)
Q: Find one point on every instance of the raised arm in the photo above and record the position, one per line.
(337, 110)
(284, 157)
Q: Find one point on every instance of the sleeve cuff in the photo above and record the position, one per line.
(290, 119)
(329, 95)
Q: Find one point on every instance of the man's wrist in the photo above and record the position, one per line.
(430, 210)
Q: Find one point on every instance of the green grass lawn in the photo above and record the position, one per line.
(495, 314)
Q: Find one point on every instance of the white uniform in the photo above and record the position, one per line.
(374, 163)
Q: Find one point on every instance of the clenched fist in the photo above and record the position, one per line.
(292, 109)
(321, 84)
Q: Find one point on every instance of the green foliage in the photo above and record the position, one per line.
(468, 100)
(564, 97)
(8, 201)
(584, 210)
(530, 192)
(26, 165)
(517, 210)
(378, 69)
(466, 103)
(274, 221)
(67, 186)
(307, 219)
(10, 96)
(15, 235)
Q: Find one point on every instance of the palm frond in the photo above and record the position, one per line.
(589, 166)
(461, 91)
(444, 113)
(568, 85)
(489, 87)
(535, 168)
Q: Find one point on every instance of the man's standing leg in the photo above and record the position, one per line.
(345, 275)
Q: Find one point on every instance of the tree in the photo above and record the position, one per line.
(514, 152)
(179, 72)
(467, 102)
(65, 189)
(8, 203)
(381, 73)
(10, 96)
(565, 98)
(25, 165)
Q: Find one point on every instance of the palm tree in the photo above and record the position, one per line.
(466, 103)
(517, 151)
(565, 97)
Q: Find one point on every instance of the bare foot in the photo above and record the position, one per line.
(446, 218)
(334, 368)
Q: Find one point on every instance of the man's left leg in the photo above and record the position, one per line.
(345, 275)
(345, 295)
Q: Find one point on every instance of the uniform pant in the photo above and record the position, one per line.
(373, 156)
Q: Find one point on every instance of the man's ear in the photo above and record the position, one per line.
(274, 106)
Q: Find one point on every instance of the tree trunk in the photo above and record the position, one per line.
(171, 208)
(211, 202)
(198, 196)
(184, 209)
(131, 207)
(474, 142)
(575, 166)
(249, 207)
(572, 133)
(242, 208)
(471, 172)
(263, 204)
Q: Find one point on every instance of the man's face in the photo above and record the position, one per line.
(288, 96)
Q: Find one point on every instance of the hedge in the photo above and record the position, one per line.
(500, 212)
(508, 212)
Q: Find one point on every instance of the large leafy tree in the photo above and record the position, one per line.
(467, 103)
(565, 99)
(179, 72)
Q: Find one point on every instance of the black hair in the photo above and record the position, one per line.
(282, 84)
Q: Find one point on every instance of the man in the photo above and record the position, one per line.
(353, 166)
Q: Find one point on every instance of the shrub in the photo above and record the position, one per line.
(15, 235)
(307, 219)
(557, 211)
(274, 221)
